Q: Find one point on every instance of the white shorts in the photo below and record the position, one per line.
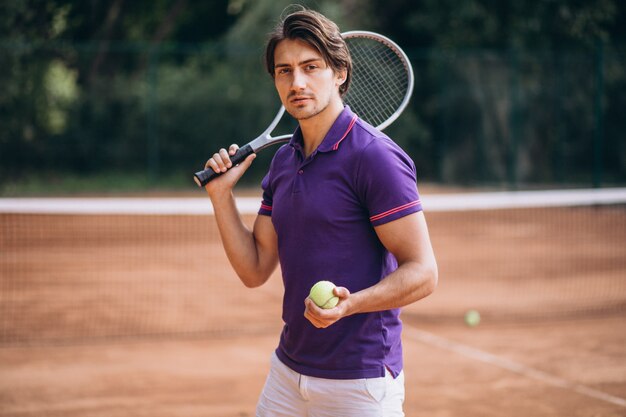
(289, 394)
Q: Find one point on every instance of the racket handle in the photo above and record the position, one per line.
(203, 177)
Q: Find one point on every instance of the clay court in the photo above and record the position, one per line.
(126, 315)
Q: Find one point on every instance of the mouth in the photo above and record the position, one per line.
(299, 100)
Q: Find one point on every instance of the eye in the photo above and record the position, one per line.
(311, 67)
(283, 71)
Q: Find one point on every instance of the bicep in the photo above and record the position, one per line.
(407, 239)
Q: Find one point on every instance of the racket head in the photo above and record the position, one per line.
(380, 89)
(382, 78)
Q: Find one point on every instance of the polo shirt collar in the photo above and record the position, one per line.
(337, 133)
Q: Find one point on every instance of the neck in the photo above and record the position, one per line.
(314, 129)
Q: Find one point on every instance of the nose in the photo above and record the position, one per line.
(298, 81)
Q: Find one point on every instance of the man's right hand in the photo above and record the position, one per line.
(221, 163)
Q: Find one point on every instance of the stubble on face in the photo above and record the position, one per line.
(302, 111)
(311, 93)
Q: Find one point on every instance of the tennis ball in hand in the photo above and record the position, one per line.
(322, 294)
(472, 318)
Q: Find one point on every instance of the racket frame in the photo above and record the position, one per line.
(265, 139)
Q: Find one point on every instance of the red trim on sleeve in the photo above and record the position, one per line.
(266, 207)
(395, 210)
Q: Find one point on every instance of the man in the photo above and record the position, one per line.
(340, 203)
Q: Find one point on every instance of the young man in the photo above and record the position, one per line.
(340, 203)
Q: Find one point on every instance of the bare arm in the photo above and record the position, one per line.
(252, 253)
(416, 277)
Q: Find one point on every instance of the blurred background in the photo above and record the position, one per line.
(126, 95)
(120, 300)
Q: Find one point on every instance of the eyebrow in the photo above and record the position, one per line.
(306, 61)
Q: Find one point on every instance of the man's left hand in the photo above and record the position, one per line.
(322, 318)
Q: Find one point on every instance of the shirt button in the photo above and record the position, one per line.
(301, 172)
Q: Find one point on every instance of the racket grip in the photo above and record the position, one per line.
(205, 176)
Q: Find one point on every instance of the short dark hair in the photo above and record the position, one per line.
(317, 31)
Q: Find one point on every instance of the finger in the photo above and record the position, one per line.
(225, 159)
(311, 307)
(318, 316)
(310, 311)
(320, 313)
(219, 162)
(320, 324)
(211, 163)
(232, 149)
(341, 292)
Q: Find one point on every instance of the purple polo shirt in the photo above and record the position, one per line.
(324, 209)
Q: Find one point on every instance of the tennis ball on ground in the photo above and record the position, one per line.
(322, 294)
(472, 318)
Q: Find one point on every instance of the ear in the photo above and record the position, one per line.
(340, 77)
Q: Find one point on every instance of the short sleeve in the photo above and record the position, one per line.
(387, 182)
(266, 203)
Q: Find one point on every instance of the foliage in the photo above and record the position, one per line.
(506, 92)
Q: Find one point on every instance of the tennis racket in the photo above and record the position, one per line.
(380, 89)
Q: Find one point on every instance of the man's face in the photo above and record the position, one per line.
(305, 84)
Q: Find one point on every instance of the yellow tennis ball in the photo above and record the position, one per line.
(472, 318)
(322, 294)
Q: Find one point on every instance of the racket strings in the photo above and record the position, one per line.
(380, 80)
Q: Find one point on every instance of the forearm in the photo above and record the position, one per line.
(411, 282)
(239, 242)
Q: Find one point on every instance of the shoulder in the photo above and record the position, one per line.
(364, 133)
(381, 164)
(375, 146)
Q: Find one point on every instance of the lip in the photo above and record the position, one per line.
(299, 99)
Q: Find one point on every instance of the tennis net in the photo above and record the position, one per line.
(85, 269)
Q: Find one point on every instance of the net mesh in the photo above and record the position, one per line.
(523, 264)
(380, 80)
(78, 273)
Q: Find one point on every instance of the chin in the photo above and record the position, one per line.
(302, 113)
